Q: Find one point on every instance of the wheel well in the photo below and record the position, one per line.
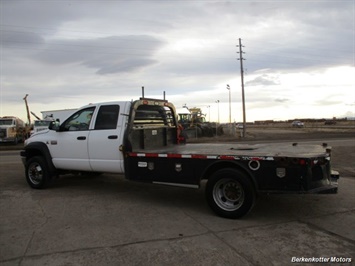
(32, 152)
(225, 164)
(40, 149)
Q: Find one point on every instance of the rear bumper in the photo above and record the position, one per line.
(328, 185)
(330, 188)
(334, 175)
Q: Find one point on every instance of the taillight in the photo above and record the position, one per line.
(302, 162)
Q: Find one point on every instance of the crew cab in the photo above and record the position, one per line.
(141, 140)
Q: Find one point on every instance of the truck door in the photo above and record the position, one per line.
(106, 138)
(69, 146)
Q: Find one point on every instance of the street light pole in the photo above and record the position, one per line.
(230, 105)
(218, 109)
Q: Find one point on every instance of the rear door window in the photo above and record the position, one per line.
(107, 117)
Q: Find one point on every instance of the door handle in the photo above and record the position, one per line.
(81, 138)
(112, 137)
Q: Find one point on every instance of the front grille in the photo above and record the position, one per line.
(3, 133)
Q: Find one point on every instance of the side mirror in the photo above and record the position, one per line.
(53, 125)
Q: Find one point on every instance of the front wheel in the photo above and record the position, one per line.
(230, 193)
(37, 174)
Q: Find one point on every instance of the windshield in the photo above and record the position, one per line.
(6, 122)
(41, 123)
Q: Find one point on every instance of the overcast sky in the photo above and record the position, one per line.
(299, 55)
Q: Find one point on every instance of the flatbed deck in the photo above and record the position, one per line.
(248, 150)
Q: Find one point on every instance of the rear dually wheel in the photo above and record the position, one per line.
(230, 193)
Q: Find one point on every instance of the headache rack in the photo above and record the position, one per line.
(152, 125)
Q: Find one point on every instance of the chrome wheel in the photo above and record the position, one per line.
(228, 194)
(35, 173)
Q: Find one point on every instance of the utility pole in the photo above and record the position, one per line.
(242, 79)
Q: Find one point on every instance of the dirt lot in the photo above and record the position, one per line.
(107, 220)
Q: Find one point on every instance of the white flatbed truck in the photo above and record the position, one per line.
(141, 140)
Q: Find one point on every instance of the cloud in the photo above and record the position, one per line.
(263, 80)
(350, 114)
(44, 15)
(122, 66)
(84, 51)
(21, 39)
(107, 55)
(282, 100)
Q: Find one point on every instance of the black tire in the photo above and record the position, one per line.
(37, 173)
(230, 193)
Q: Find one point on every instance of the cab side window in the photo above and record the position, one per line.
(107, 117)
(79, 121)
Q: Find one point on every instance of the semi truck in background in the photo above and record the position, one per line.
(12, 129)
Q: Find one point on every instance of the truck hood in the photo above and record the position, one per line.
(34, 136)
(41, 132)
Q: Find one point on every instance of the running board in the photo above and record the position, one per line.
(176, 184)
